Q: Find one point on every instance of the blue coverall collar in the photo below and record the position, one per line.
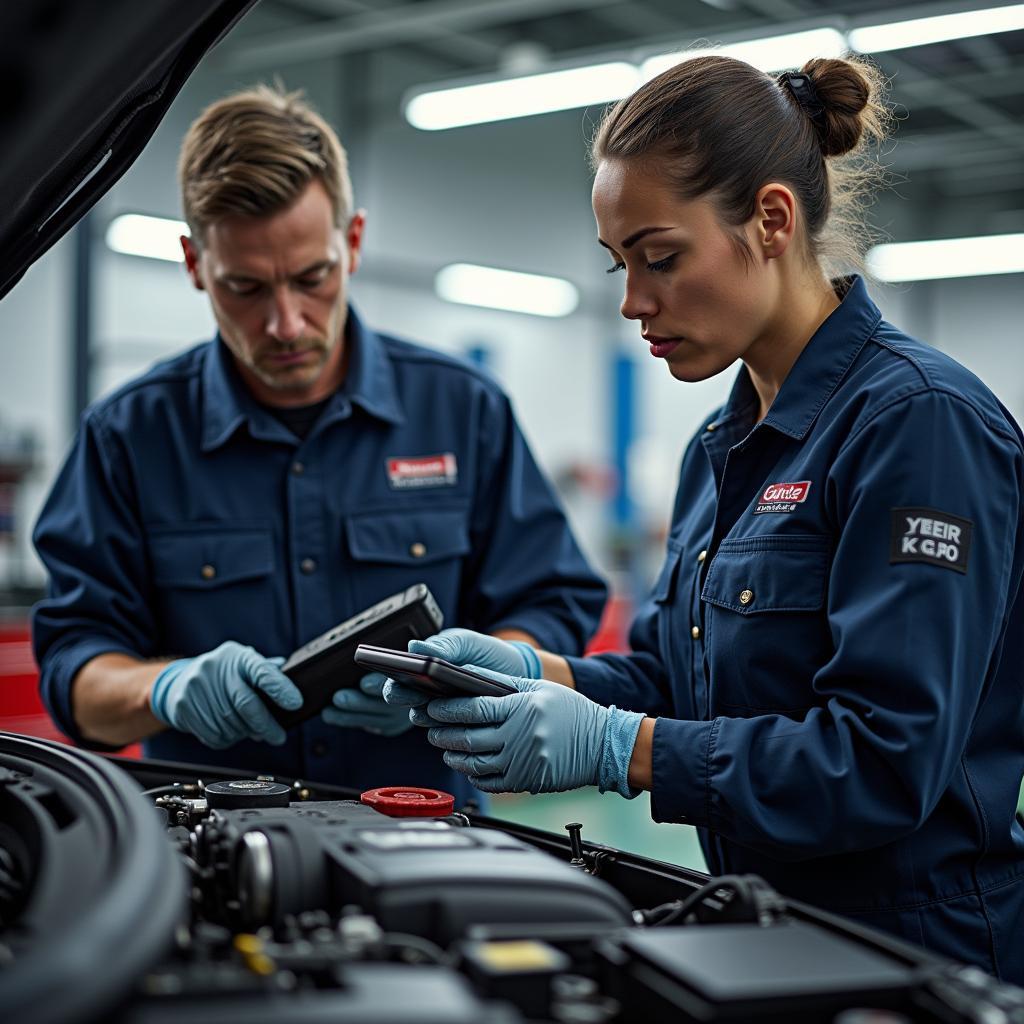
(819, 368)
(227, 403)
(370, 382)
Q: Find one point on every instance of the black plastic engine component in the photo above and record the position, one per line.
(243, 793)
(426, 876)
(792, 972)
(94, 890)
(522, 971)
(367, 993)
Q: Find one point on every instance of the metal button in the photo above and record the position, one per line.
(298, 468)
(746, 596)
(319, 748)
(208, 572)
(702, 556)
(418, 550)
(710, 427)
(695, 632)
(308, 565)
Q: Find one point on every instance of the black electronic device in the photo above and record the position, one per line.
(326, 663)
(432, 676)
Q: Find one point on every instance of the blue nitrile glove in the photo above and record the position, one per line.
(365, 709)
(544, 739)
(464, 647)
(213, 696)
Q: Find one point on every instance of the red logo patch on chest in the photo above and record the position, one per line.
(423, 470)
(782, 497)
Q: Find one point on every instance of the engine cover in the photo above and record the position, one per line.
(427, 876)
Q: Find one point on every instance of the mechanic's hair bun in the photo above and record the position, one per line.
(845, 91)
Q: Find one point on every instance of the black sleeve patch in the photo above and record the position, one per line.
(928, 535)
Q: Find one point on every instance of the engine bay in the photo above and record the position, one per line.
(147, 893)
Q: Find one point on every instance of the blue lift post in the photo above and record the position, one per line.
(479, 355)
(623, 435)
(625, 533)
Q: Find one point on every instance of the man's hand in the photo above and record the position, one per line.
(365, 709)
(545, 738)
(213, 696)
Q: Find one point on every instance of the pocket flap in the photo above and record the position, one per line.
(412, 537)
(769, 574)
(207, 558)
(662, 588)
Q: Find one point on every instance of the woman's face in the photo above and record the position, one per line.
(701, 302)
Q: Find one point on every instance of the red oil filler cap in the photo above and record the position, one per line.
(409, 801)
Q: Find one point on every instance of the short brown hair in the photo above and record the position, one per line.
(253, 153)
(719, 127)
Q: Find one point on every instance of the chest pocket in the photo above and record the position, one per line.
(766, 626)
(394, 550)
(210, 559)
(664, 584)
(212, 584)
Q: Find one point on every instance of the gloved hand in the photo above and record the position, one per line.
(365, 709)
(544, 739)
(464, 647)
(213, 696)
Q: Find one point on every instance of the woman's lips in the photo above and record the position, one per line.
(660, 347)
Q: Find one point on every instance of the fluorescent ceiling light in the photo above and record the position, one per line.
(524, 96)
(948, 257)
(138, 235)
(921, 31)
(506, 289)
(776, 53)
(521, 97)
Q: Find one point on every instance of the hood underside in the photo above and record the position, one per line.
(84, 86)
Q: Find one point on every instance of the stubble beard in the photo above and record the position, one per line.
(287, 379)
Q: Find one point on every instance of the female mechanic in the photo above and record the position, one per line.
(827, 678)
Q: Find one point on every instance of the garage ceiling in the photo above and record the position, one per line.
(962, 136)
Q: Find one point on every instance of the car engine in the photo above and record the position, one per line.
(146, 893)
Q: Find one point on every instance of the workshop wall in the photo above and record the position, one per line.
(513, 194)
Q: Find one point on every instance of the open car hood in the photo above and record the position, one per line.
(84, 86)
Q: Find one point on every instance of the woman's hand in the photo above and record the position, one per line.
(546, 738)
(464, 647)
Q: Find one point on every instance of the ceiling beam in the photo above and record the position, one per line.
(458, 46)
(777, 10)
(407, 23)
(957, 102)
(378, 25)
(967, 148)
(976, 84)
(639, 19)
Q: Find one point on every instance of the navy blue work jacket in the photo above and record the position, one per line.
(182, 469)
(835, 645)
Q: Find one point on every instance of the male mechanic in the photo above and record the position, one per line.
(247, 495)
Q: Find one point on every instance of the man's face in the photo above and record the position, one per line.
(278, 287)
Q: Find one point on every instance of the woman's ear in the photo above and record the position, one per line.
(775, 216)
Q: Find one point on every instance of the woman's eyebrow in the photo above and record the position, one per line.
(635, 237)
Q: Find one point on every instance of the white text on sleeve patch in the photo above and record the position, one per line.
(927, 535)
